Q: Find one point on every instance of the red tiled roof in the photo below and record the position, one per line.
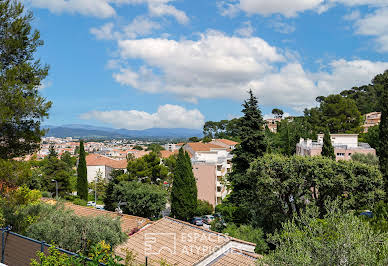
(174, 242)
(234, 257)
(96, 159)
(199, 146)
(227, 142)
(166, 154)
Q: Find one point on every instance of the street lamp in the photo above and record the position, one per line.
(95, 191)
(56, 188)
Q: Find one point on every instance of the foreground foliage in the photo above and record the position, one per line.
(55, 224)
(22, 108)
(339, 238)
(278, 188)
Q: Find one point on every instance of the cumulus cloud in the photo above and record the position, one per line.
(167, 116)
(375, 24)
(139, 26)
(265, 7)
(246, 30)
(97, 8)
(105, 9)
(221, 66)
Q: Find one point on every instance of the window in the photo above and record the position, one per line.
(219, 167)
(340, 154)
(219, 189)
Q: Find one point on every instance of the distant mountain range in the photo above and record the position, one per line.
(88, 131)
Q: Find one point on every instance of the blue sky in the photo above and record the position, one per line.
(140, 64)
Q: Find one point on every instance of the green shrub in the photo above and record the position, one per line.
(340, 238)
(366, 158)
(145, 200)
(80, 202)
(203, 208)
(61, 226)
(248, 233)
(46, 194)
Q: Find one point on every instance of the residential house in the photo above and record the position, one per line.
(371, 119)
(99, 164)
(175, 242)
(344, 146)
(272, 123)
(229, 144)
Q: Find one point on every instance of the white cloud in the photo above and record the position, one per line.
(163, 9)
(140, 26)
(97, 8)
(375, 24)
(288, 8)
(104, 8)
(167, 116)
(282, 27)
(265, 7)
(221, 66)
(246, 30)
(355, 14)
(105, 32)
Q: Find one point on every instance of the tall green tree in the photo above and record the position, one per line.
(382, 80)
(82, 175)
(184, 188)
(327, 148)
(110, 203)
(22, 108)
(252, 136)
(253, 145)
(336, 112)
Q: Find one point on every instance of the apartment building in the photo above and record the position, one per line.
(211, 163)
(344, 146)
(272, 124)
(371, 119)
(172, 146)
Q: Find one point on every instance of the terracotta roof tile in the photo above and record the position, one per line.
(199, 146)
(175, 242)
(227, 142)
(96, 159)
(166, 154)
(235, 257)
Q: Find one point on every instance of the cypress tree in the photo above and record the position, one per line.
(82, 177)
(327, 149)
(184, 188)
(381, 81)
(252, 136)
(252, 146)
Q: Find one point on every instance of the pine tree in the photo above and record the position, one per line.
(82, 177)
(184, 188)
(22, 107)
(252, 146)
(327, 149)
(381, 82)
(252, 135)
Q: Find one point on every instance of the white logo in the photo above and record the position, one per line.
(152, 243)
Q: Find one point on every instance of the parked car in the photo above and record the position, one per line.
(197, 221)
(100, 207)
(91, 203)
(207, 219)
